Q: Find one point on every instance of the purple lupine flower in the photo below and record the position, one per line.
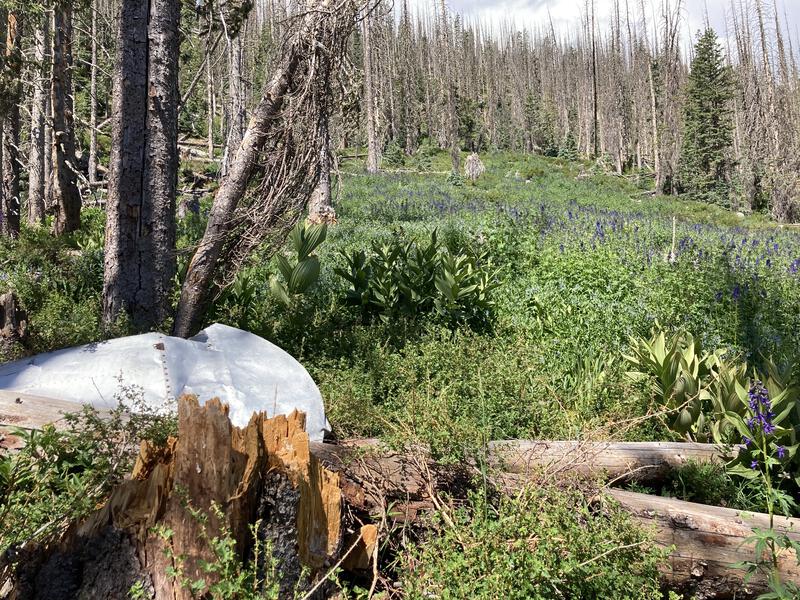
(754, 464)
(746, 441)
(781, 452)
(736, 293)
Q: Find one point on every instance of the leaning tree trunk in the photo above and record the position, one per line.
(140, 259)
(202, 267)
(37, 149)
(65, 196)
(9, 226)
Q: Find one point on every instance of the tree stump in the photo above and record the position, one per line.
(13, 320)
(263, 473)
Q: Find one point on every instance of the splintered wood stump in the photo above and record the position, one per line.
(263, 473)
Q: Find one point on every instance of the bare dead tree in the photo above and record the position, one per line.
(10, 199)
(65, 196)
(39, 109)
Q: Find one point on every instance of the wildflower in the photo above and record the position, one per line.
(736, 293)
(781, 452)
(746, 441)
(759, 403)
(754, 464)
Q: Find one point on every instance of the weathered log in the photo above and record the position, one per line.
(707, 541)
(614, 461)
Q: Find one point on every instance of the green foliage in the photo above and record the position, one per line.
(300, 275)
(545, 543)
(705, 483)
(63, 474)
(568, 149)
(404, 279)
(678, 373)
(393, 156)
(705, 162)
(227, 576)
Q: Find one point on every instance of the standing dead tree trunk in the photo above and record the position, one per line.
(370, 102)
(37, 149)
(93, 97)
(282, 145)
(65, 196)
(233, 25)
(140, 257)
(10, 217)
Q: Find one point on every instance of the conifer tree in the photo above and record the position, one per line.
(706, 164)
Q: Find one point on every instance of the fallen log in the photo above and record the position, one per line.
(707, 541)
(614, 461)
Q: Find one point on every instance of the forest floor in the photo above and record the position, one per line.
(579, 263)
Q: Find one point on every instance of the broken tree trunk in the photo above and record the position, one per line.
(263, 474)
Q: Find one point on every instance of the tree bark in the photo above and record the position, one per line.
(66, 199)
(10, 217)
(236, 100)
(93, 98)
(39, 103)
(140, 260)
(199, 276)
(373, 147)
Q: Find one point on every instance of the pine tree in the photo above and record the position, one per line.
(705, 167)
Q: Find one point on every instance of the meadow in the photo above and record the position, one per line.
(570, 267)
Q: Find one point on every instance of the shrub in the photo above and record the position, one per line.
(61, 475)
(403, 279)
(545, 543)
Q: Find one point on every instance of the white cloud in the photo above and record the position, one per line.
(566, 14)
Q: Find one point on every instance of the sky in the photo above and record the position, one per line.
(566, 13)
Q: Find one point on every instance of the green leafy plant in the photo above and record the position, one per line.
(404, 279)
(769, 445)
(298, 276)
(677, 372)
(62, 474)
